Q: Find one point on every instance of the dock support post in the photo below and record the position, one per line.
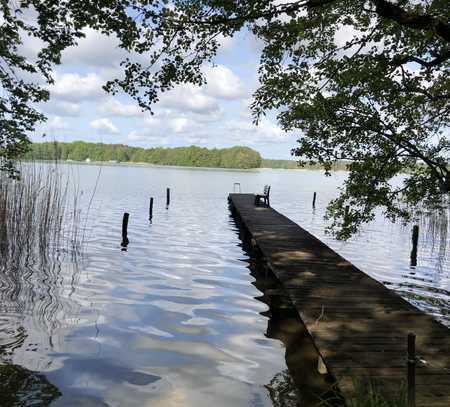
(314, 200)
(411, 370)
(150, 210)
(167, 198)
(346, 214)
(125, 240)
(415, 240)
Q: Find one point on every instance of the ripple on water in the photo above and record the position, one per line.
(173, 320)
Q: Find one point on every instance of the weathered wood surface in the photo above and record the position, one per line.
(359, 326)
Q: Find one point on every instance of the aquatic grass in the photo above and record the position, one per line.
(368, 393)
(41, 256)
(39, 214)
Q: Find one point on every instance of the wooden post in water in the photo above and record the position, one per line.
(415, 236)
(314, 200)
(415, 240)
(167, 198)
(346, 212)
(150, 210)
(411, 370)
(125, 240)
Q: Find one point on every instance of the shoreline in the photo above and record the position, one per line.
(143, 164)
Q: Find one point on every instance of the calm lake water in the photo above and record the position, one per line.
(175, 320)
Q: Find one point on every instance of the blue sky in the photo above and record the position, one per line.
(216, 115)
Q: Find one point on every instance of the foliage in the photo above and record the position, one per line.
(57, 25)
(379, 98)
(371, 395)
(234, 157)
(20, 386)
(295, 165)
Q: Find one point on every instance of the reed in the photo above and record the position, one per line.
(368, 393)
(39, 214)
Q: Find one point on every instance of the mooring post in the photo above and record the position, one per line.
(167, 198)
(150, 210)
(415, 236)
(411, 370)
(415, 240)
(314, 200)
(346, 213)
(125, 240)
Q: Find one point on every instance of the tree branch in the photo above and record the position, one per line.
(400, 60)
(424, 22)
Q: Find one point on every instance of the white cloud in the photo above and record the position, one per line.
(95, 49)
(61, 108)
(105, 125)
(114, 107)
(226, 44)
(197, 139)
(223, 83)
(75, 87)
(179, 124)
(144, 136)
(169, 122)
(344, 34)
(189, 97)
(56, 123)
(265, 132)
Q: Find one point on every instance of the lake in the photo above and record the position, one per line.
(175, 319)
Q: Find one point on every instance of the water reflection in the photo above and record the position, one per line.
(173, 321)
(36, 306)
(300, 384)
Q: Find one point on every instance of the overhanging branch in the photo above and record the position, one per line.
(423, 22)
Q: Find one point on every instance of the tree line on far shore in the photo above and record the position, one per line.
(192, 156)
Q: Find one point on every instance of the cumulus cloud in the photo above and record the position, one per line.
(265, 132)
(74, 87)
(62, 108)
(146, 137)
(223, 83)
(95, 49)
(226, 44)
(56, 123)
(179, 124)
(105, 125)
(190, 98)
(114, 107)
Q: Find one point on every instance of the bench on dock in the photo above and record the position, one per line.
(265, 196)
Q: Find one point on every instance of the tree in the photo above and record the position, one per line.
(193, 156)
(379, 98)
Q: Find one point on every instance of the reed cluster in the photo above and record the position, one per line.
(38, 214)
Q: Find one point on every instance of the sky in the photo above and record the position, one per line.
(216, 115)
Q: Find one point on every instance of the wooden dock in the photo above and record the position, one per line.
(359, 326)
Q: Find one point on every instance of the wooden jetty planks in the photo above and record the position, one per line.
(358, 325)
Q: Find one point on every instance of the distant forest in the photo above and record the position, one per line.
(235, 157)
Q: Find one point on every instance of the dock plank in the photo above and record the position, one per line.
(358, 325)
